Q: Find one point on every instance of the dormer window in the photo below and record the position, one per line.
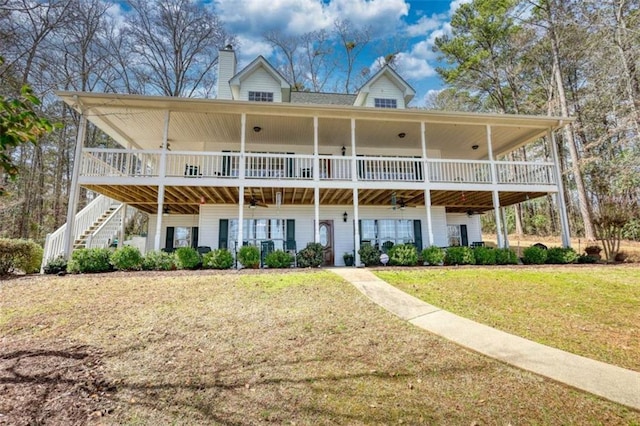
(261, 96)
(385, 103)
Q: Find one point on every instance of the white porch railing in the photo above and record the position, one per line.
(390, 169)
(459, 171)
(203, 164)
(190, 164)
(119, 162)
(54, 243)
(278, 166)
(524, 173)
(335, 168)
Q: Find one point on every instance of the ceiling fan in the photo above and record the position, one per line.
(398, 203)
(253, 202)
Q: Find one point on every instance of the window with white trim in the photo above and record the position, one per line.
(377, 232)
(182, 236)
(454, 235)
(256, 230)
(261, 96)
(385, 103)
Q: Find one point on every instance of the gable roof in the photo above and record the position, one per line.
(259, 62)
(407, 91)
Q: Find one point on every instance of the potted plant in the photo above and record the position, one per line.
(593, 251)
(348, 258)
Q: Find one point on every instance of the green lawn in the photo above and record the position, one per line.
(246, 349)
(592, 311)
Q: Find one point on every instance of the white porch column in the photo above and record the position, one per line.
(316, 159)
(316, 214)
(496, 195)
(496, 209)
(240, 235)
(356, 227)
(74, 190)
(354, 168)
(243, 139)
(562, 205)
(427, 191)
(123, 224)
(316, 179)
(427, 206)
(159, 213)
(505, 227)
(162, 173)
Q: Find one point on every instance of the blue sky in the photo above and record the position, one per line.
(409, 26)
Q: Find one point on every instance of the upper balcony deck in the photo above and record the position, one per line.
(113, 166)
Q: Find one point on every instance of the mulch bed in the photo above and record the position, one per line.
(53, 383)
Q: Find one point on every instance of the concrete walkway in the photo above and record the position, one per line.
(608, 381)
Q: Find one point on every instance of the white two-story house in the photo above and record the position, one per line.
(263, 164)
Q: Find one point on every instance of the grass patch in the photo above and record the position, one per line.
(592, 311)
(245, 348)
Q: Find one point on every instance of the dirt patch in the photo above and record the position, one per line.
(53, 383)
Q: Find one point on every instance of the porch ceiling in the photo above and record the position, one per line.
(187, 199)
(214, 125)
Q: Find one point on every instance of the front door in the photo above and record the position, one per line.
(326, 240)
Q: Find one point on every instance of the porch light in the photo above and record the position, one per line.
(474, 147)
(257, 129)
(345, 216)
(402, 135)
(202, 200)
(344, 150)
(165, 211)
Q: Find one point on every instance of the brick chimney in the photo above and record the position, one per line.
(226, 70)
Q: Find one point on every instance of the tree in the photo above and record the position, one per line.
(175, 44)
(19, 124)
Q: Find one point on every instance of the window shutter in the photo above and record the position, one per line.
(194, 237)
(291, 232)
(417, 234)
(360, 230)
(168, 243)
(223, 234)
(464, 240)
(226, 165)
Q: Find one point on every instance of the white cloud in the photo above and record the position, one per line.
(253, 17)
(413, 68)
(425, 24)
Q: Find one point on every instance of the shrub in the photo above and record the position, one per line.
(585, 258)
(403, 255)
(534, 256)
(278, 259)
(187, 258)
(55, 266)
(561, 255)
(310, 256)
(217, 259)
(460, 255)
(127, 258)
(369, 255)
(24, 255)
(505, 256)
(484, 256)
(593, 249)
(90, 260)
(159, 261)
(433, 255)
(249, 256)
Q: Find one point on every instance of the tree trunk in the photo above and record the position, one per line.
(585, 212)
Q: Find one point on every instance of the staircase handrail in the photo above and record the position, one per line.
(54, 243)
(104, 234)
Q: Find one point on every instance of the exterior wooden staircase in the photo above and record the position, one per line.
(96, 225)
